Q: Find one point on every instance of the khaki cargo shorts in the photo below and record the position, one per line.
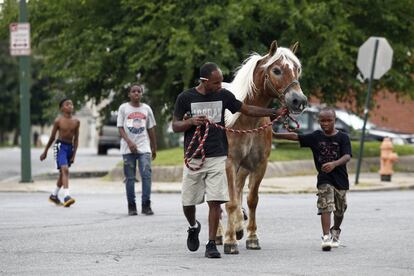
(330, 199)
(210, 182)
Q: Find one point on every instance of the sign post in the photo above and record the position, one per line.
(20, 46)
(374, 59)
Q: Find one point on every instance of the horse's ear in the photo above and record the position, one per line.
(294, 47)
(273, 48)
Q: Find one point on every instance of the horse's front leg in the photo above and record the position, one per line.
(239, 213)
(252, 241)
(220, 231)
(230, 242)
(239, 216)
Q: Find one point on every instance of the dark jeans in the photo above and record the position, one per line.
(130, 167)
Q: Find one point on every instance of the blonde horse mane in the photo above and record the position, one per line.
(243, 86)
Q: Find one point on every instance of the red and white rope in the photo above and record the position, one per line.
(201, 140)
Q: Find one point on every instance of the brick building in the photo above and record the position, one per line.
(392, 112)
(389, 111)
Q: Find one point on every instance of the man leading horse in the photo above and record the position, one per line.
(204, 176)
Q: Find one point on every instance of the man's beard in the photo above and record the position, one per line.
(210, 91)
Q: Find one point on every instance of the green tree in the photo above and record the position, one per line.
(41, 89)
(9, 99)
(100, 47)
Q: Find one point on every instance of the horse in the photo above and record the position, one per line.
(258, 81)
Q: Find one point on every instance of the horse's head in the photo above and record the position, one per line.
(279, 72)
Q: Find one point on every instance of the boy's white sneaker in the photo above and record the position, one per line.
(335, 237)
(326, 243)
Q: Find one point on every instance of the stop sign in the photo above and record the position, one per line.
(383, 59)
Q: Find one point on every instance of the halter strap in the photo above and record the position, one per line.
(268, 83)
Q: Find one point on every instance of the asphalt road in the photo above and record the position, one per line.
(86, 160)
(96, 237)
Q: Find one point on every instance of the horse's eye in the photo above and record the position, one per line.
(277, 71)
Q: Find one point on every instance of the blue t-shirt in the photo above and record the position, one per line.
(213, 105)
(327, 149)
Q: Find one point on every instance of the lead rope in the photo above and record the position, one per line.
(200, 149)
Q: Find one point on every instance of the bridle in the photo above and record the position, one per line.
(279, 94)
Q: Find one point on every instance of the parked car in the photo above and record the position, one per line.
(108, 135)
(350, 123)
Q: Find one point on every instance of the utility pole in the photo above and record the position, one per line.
(24, 76)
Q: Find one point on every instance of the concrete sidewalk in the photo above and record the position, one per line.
(282, 185)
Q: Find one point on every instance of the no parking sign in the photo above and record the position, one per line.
(20, 39)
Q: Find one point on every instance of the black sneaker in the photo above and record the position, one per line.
(132, 209)
(146, 208)
(192, 241)
(55, 199)
(211, 250)
(147, 211)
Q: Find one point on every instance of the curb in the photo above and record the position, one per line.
(162, 191)
(384, 189)
(54, 176)
(76, 175)
(274, 169)
(284, 185)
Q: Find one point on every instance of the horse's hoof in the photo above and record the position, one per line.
(239, 234)
(219, 240)
(231, 249)
(253, 244)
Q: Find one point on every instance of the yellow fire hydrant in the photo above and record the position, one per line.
(388, 157)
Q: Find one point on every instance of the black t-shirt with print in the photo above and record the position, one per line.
(212, 105)
(326, 149)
